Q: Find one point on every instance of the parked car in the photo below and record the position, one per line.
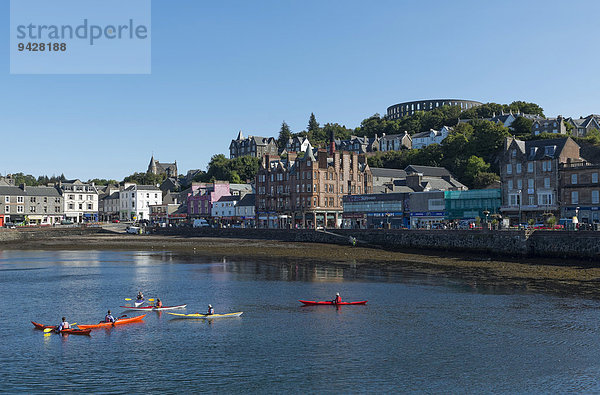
(66, 222)
(10, 225)
(115, 221)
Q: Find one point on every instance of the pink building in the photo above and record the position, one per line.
(202, 196)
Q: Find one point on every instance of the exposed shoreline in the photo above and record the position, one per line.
(546, 275)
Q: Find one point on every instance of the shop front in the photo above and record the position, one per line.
(393, 220)
(426, 219)
(268, 220)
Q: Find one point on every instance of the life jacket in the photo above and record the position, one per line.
(211, 311)
(65, 325)
(338, 299)
(158, 304)
(109, 318)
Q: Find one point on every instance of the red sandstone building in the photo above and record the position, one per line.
(307, 192)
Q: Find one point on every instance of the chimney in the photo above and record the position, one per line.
(413, 181)
(322, 158)
(331, 142)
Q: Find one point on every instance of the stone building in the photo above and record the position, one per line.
(156, 167)
(252, 146)
(582, 126)
(308, 192)
(395, 142)
(549, 125)
(580, 191)
(401, 110)
(529, 172)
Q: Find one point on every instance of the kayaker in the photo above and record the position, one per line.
(140, 296)
(211, 311)
(109, 317)
(158, 303)
(63, 325)
(338, 298)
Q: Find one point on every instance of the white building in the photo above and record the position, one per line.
(135, 201)
(245, 211)
(224, 208)
(422, 140)
(80, 201)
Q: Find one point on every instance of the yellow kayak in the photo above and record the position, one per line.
(198, 315)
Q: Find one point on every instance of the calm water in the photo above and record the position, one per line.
(417, 333)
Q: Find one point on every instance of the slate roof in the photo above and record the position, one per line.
(143, 188)
(229, 198)
(248, 200)
(29, 191)
(428, 171)
(388, 173)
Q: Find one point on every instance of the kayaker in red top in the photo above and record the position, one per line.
(211, 311)
(64, 325)
(338, 298)
(158, 303)
(109, 317)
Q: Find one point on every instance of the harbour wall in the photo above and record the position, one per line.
(519, 243)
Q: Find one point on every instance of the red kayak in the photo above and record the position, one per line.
(311, 303)
(64, 331)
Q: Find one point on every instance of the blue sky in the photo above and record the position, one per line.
(223, 66)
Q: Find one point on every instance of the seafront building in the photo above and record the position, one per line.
(580, 191)
(80, 201)
(135, 201)
(30, 205)
(530, 172)
(202, 196)
(307, 192)
(419, 209)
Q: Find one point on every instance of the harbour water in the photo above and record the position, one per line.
(418, 332)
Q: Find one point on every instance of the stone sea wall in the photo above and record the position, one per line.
(41, 233)
(539, 243)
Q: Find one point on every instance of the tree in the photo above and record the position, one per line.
(145, 178)
(284, 135)
(522, 126)
(524, 107)
(313, 125)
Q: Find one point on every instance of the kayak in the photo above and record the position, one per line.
(139, 302)
(146, 308)
(311, 303)
(64, 331)
(111, 324)
(198, 315)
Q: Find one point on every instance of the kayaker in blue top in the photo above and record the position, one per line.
(63, 325)
(338, 298)
(211, 311)
(109, 317)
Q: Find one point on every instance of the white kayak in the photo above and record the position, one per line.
(146, 308)
(208, 316)
(139, 302)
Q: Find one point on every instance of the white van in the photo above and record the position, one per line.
(133, 230)
(201, 223)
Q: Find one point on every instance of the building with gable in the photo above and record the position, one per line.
(156, 167)
(252, 146)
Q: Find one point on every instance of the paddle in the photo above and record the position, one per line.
(128, 299)
(46, 330)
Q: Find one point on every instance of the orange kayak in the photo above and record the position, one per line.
(117, 322)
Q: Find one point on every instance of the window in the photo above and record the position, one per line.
(7, 198)
(514, 153)
(530, 167)
(549, 165)
(71, 206)
(7, 209)
(574, 197)
(573, 178)
(530, 183)
(80, 197)
(81, 206)
(595, 178)
(90, 206)
(531, 200)
(518, 168)
(509, 169)
(519, 184)
(510, 184)
(595, 196)
(20, 209)
(514, 199)
(545, 199)
(547, 182)
(20, 199)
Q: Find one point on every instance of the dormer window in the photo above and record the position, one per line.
(549, 150)
(514, 153)
(532, 151)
